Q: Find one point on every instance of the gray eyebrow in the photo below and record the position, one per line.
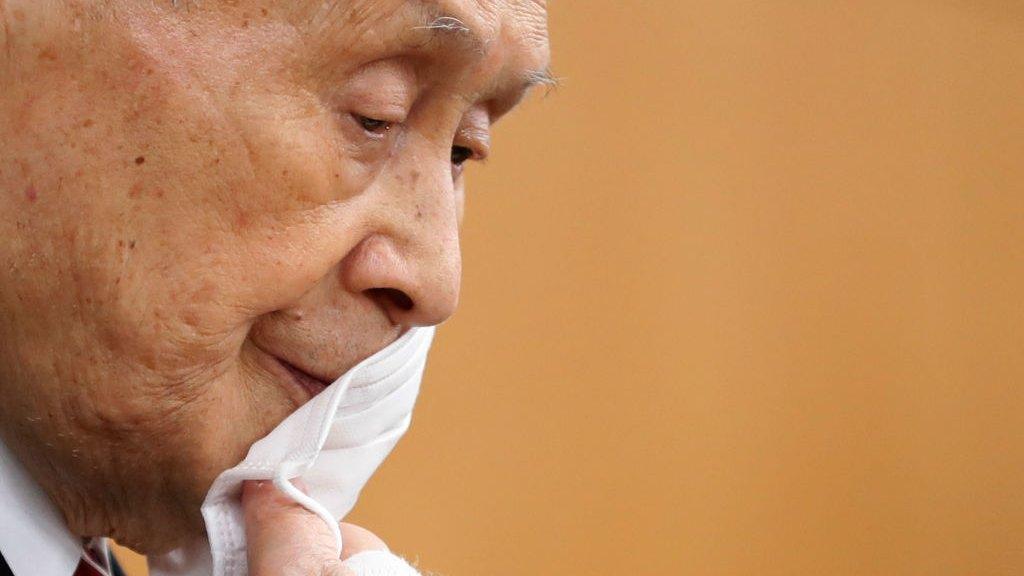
(449, 23)
(450, 28)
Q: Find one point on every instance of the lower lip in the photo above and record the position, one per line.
(311, 385)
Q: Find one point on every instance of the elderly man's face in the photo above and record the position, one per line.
(213, 209)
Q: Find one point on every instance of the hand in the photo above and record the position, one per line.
(285, 539)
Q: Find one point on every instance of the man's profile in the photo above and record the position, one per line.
(212, 211)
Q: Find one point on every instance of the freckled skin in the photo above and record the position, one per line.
(184, 191)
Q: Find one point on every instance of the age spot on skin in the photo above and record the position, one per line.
(48, 54)
(140, 160)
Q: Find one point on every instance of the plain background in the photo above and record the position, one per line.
(742, 297)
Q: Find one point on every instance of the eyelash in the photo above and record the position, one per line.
(378, 127)
(460, 154)
(373, 125)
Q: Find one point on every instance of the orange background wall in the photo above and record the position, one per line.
(743, 297)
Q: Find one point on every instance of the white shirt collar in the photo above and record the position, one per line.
(33, 538)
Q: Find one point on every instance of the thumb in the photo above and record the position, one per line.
(283, 537)
(358, 539)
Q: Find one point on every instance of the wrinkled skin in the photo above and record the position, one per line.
(192, 193)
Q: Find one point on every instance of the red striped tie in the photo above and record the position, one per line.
(86, 569)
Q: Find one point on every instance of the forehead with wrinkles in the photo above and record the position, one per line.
(507, 37)
(476, 27)
(525, 17)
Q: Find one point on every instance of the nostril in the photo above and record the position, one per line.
(391, 297)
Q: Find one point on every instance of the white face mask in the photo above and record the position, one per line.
(334, 442)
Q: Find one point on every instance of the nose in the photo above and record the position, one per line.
(413, 289)
(411, 267)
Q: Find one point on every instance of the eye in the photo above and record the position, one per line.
(460, 154)
(373, 125)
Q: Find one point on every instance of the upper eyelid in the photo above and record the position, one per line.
(475, 132)
(390, 108)
(389, 82)
(390, 117)
(481, 148)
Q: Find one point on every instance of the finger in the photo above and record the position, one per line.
(283, 537)
(358, 539)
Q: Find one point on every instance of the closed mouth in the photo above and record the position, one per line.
(302, 384)
(305, 380)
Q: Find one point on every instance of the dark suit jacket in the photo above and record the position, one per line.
(5, 570)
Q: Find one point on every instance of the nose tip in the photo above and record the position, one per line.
(412, 290)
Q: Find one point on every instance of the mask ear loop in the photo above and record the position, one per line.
(285, 485)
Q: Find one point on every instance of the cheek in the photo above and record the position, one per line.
(239, 407)
(179, 217)
(297, 203)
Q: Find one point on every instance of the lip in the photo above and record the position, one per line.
(302, 385)
(293, 376)
(307, 381)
